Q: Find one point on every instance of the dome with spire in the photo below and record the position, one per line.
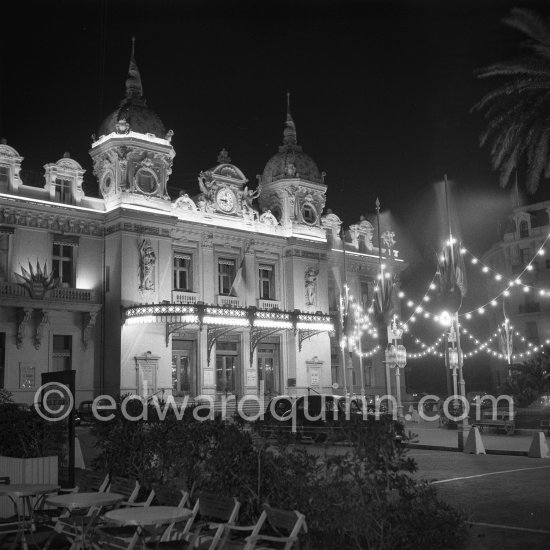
(291, 161)
(133, 114)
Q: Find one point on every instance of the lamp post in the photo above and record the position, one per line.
(396, 357)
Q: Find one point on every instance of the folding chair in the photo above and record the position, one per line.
(204, 529)
(283, 531)
(8, 526)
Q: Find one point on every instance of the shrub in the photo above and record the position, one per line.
(363, 498)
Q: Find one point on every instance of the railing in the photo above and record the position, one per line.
(58, 294)
(182, 297)
(269, 304)
(229, 301)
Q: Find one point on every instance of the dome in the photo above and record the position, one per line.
(133, 113)
(138, 116)
(291, 161)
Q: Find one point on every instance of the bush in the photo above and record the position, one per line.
(26, 435)
(364, 498)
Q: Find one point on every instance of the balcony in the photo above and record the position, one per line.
(269, 305)
(16, 292)
(228, 301)
(184, 297)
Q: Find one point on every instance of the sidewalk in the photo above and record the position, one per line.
(429, 435)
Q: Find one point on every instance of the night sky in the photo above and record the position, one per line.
(381, 93)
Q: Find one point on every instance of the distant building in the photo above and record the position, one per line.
(526, 305)
(231, 292)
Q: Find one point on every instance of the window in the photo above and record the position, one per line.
(365, 294)
(276, 211)
(308, 213)
(227, 361)
(62, 353)
(532, 332)
(526, 256)
(63, 191)
(182, 272)
(63, 263)
(4, 179)
(4, 255)
(226, 275)
(2, 357)
(265, 280)
(368, 373)
(523, 229)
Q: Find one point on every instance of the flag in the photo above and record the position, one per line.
(238, 288)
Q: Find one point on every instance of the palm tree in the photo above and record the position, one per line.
(518, 111)
(530, 379)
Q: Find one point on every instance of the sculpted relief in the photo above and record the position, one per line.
(147, 261)
(310, 280)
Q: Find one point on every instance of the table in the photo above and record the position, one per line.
(23, 492)
(74, 501)
(148, 515)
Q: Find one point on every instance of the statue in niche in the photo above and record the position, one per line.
(388, 238)
(184, 202)
(147, 262)
(248, 196)
(310, 279)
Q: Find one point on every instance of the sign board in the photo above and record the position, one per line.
(27, 375)
(314, 377)
(251, 378)
(146, 366)
(208, 376)
(56, 400)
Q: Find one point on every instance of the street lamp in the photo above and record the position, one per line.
(396, 357)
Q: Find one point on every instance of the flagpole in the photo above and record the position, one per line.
(344, 314)
(387, 367)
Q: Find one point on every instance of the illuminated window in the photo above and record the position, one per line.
(62, 353)
(523, 229)
(4, 179)
(182, 272)
(2, 357)
(266, 282)
(63, 263)
(226, 275)
(4, 255)
(63, 191)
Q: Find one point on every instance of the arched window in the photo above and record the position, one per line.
(523, 229)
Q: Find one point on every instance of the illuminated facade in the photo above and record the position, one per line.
(521, 255)
(232, 292)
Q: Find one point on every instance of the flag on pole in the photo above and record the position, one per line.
(238, 287)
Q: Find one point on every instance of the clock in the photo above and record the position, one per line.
(225, 199)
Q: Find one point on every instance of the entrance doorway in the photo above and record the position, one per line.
(227, 367)
(268, 369)
(183, 368)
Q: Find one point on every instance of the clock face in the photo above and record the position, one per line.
(225, 200)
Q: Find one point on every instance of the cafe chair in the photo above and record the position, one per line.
(10, 525)
(204, 529)
(169, 496)
(275, 528)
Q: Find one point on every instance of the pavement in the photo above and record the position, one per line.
(430, 435)
(505, 497)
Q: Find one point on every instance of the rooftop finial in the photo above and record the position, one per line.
(133, 82)
(290, 130)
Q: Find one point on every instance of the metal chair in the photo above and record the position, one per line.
(205, 527)
(283, 530)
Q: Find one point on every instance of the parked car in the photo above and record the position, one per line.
(276, 408)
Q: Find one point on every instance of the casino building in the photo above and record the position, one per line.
(234, 291)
